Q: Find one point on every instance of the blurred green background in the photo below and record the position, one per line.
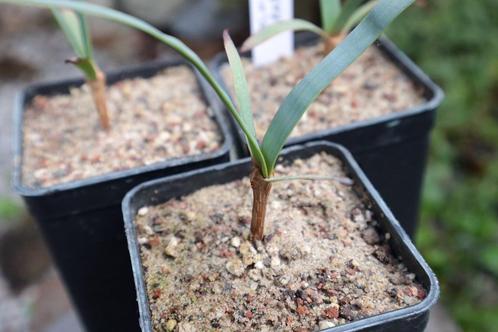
(456, 43)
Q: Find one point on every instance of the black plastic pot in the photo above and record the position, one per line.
(81, 221)
(392, 149)
(155, 192)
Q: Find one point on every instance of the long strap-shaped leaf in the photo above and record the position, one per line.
(308, 89)
(357, 15)
(76, 31)
(241, 91)
(75, 28)
(174, 43)
(329, 11)
(279, 27)
(349, 7)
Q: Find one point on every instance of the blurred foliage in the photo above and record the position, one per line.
(9, 209)
(456, 43)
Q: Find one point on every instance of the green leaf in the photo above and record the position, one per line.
(279, 27)
(243, 97)
(174, 43)
(9, 209)
(330, 11)
(309, 88)
(489, 257)
(240, 83)
(76, 31)
(86, 65)
(358, 15)
(349, 7)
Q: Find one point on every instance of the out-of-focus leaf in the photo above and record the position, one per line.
(347, 10)
(308, 89)
(9, 209)
(489, 258)
(329, 11)
(76, 31)
(358, 15)
(277, 28)
(86, 65)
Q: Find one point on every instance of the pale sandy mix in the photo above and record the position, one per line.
(323, 262)
(371, 87)
(153, 120)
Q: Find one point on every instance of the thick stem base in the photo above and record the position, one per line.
(97, 88)
(331, 43)
(261, 191)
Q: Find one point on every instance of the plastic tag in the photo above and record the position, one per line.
(264, 13)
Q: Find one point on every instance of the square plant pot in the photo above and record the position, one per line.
(81, 220)
(391, 149)
(152, 193)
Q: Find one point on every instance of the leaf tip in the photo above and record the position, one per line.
(245, 46)
(226, 36)
(72, 61)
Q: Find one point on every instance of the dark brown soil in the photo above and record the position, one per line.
(323, 261)
(369, 88)
(152, 120)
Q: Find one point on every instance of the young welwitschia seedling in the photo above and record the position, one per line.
(337, 19)
(76, 30)
(264, 154)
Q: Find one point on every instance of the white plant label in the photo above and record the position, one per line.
(266, 12)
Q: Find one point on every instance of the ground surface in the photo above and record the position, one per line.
(164, 117)
(324, 261)
(371, 87)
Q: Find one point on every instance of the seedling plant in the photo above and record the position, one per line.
(75, 28)
(337, 18)
(264, 154)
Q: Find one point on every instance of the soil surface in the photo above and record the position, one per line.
(152, 120)
(371, 87)
(323, 261)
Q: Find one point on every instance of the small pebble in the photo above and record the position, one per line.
(235, 267)
(332, 311)
(259, 265)
(302, 310)
(171, 249)
(254, 274)
(284, 280)
(370, 235)
(170, 325)
(275, 261)
(235, 242)
(325, 324)
(357, 215)
(143, 211)
(186, 327)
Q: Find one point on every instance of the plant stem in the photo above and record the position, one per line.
(261, 191)
(331, 42)
(97, 88)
